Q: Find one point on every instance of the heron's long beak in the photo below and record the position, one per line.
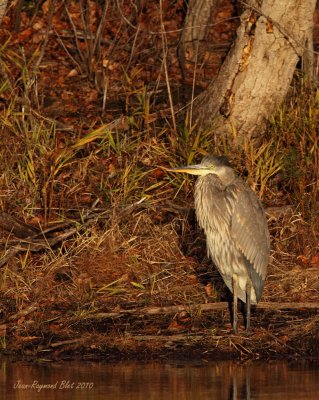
(196, 169)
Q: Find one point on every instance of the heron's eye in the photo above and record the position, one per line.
(212, 167)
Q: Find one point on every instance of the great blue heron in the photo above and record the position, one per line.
(236, 229)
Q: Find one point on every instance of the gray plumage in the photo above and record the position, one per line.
(236, 230)
(235, 225)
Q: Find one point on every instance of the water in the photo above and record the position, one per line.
(159, 381)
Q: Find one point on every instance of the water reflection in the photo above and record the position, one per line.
(152, 381)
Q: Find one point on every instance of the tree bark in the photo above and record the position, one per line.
(3, 8)
(195, 30)
(256, 74)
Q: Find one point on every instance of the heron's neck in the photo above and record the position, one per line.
(226, 175)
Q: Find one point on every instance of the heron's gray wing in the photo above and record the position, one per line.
(249, 228)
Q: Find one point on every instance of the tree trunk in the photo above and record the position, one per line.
(194, 33)
(256, 74)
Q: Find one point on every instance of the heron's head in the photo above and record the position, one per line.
(219, 166)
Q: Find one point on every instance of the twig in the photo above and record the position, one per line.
(24, 312)
(46, 36)
(88, 36)
(98, 35)
(133, 47)
(281, 342)
(193, 88)
(164, 43)
(123, 16)
(75, 34)
(67, 52)
(65, 342)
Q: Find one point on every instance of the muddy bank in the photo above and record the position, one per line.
(275, 334)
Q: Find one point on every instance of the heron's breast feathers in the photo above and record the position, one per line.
(233, 214)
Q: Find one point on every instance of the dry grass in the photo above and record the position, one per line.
(155, 256)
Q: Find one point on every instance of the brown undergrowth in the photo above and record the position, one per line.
(111, 289)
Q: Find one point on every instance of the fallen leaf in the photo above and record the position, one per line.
(314, 262)
(303, 259)
(72, 73)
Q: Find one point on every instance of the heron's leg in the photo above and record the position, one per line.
(248, 305)
(235, 301)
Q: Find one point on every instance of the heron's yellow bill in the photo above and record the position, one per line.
(196, 169)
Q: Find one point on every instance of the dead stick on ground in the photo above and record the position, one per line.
(24, 312)
(199, 308)
(175, 338)
(18, 227)
(35, 243)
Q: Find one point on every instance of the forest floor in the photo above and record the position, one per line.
(101, 255)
